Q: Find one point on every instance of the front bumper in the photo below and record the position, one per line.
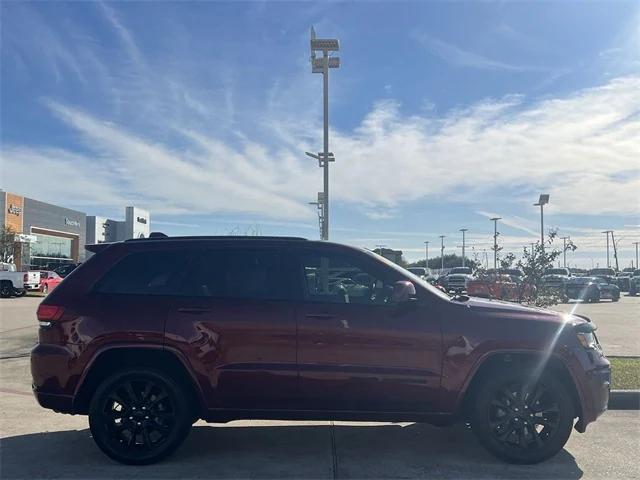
(593, 374)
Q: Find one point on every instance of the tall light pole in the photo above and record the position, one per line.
(322, 65)
(426, 255)
(564, 250)
(636, 244)
(495, 242)
(607, 232)
(442, 252)
(463, 230)
(544, 199)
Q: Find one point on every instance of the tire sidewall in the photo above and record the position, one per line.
(176, 437)
(485, 394)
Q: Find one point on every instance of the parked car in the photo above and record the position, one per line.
(457, 278)
(152, 334)
(591, 289)
(66, 269)
(11, 282)
(555, 279)
(623, 280)
(51, 281)
(608, 274)
(32, 281)
(501, 286)
(634, 283)
(421, 272)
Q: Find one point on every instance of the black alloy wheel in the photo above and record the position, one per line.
(139, 416)
(521, 420)
(6, 289)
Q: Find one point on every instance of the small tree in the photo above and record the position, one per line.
(7, 239)
(534, 263)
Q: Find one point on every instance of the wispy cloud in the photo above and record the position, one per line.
(460, 57)
(512, 221)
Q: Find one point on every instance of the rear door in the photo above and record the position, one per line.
(236, 325)
(357, 350)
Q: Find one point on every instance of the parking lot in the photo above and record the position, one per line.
(38, 443)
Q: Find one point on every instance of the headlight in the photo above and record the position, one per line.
(587, 340)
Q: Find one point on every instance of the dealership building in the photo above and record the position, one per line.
(46, 235)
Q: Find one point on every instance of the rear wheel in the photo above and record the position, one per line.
(594, 297)
(6, 289)
(522, 420)
(45, 289)
(139, 416)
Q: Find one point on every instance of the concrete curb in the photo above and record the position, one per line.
(624, 400)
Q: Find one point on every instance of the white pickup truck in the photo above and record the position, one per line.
(12, 282)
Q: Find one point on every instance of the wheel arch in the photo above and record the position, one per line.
(112, 359)
(518, 359)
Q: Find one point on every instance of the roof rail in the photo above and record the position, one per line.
(161, 236)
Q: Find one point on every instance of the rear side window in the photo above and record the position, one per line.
(251, 273)
(146, 273)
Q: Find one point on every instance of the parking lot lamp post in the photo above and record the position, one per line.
(543, 200)
(463, 230)
(495, 242)
(442, 252)
(426, 255)
(607, 232)
(636, 244)
(322, 65)
(564, 250)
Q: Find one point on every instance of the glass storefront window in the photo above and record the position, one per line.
(51, 247)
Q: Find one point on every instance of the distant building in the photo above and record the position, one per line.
(394, 255)
(136, 224)
(45, 235)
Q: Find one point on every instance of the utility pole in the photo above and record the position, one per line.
(463, 230)
(636, 244)
(564, 251)
(442, 252)
(607, 232)
(322, 65)
(426, 255)
(495, 242)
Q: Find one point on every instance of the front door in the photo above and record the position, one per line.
(357, 350)
(237, 328)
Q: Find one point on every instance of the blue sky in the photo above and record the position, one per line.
(442, 115)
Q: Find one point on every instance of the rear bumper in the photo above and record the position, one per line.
(32, 287)
(53, 384)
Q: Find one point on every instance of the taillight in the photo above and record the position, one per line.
(49, 313)
(26, 278)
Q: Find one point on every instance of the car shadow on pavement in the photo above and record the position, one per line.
(283, 451)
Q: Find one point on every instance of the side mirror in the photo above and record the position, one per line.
(403, 291)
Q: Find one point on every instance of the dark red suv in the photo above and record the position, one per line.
(150, 335)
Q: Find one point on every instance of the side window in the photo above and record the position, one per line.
(342, 279)
(250, 273)
(145, 273)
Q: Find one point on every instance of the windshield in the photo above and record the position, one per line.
(406, 273)
(460, 270)
(556, 271)
(602, 271)
(417, 271)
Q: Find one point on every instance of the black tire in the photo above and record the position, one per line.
(6, 289)
(125, 431)
(520, 420)
(594, 297)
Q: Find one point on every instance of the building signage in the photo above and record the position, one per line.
(14, 209)
(141, 220)
(70, 222)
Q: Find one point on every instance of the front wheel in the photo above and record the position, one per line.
(139, 416)
(520, 419)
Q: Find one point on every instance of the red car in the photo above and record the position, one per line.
(150, 335)
(49, 280)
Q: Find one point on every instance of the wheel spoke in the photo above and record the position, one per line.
(536, 436)
(146, 438)
(129, 389)
(158, 399)
(147, 390)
